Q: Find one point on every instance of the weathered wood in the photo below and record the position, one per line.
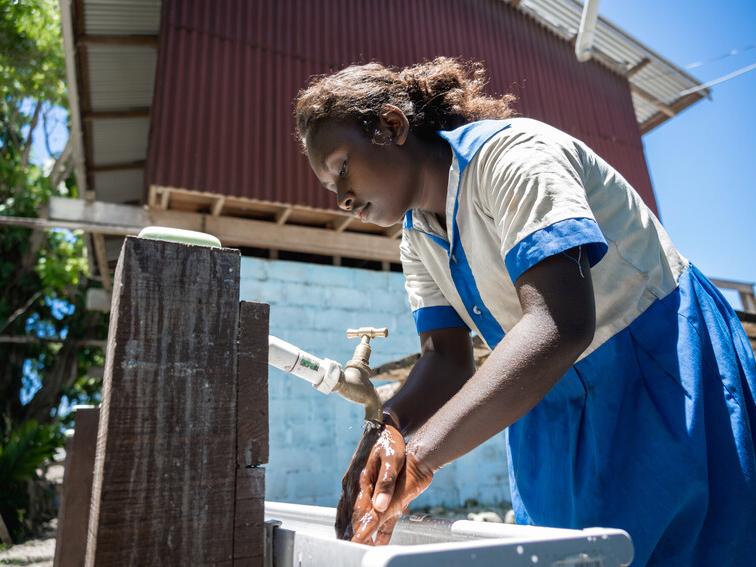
(252, 418)
(249, 517)
(164, 479)
(73, 517)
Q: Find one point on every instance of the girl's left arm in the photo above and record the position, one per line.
(557, 325)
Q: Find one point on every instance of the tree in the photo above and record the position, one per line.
(43, 275)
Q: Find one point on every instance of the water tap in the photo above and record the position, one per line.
(351, 382)
(356, 385)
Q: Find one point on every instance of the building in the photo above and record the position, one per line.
(181, 116)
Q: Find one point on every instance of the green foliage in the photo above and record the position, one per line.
(43, 275)
(25, 449)
(32, 63)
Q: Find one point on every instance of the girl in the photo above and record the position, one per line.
(624, 378)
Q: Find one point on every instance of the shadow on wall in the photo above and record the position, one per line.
(312, 436)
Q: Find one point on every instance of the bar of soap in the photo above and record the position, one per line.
(180, 235)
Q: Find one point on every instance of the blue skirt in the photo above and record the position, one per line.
(653, 433)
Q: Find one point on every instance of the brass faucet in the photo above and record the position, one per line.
(356, 385)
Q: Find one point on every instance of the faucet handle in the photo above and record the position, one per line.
(367, 332)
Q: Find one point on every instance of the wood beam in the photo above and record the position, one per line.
(138, 164)
(123, 220)
(261, 234)
(165, 199)
(283, 215)
(660, 106)
(341, 224)
(678, 106)
(117, 114)
(395, 231)
(98, 240)
(217, 206)
(637, 67)
(101, 39)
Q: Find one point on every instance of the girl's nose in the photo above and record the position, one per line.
(345, 201)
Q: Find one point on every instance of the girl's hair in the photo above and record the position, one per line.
(441, 94)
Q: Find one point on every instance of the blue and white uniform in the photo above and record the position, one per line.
(653, 428)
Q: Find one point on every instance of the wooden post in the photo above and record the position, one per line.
(73, 517)
(168, 480)
(252, 434)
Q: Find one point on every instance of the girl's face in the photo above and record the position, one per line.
(378, 183)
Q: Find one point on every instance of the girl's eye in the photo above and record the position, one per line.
(343, 170)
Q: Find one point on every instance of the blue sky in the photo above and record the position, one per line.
(703, 161)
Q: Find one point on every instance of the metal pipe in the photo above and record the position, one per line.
(584, 41)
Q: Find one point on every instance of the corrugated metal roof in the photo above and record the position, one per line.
(229, 72)
(119, 140)
(664, 80)
(120, 186)
(122, 17)
(283, 43)
(121, 77)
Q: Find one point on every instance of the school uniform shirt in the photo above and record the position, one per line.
(653, 428)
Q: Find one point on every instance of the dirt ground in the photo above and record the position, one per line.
(38, 552)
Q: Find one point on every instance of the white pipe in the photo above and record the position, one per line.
(584, 41)
(322, 373)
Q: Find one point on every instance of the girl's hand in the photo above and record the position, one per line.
(390, 480)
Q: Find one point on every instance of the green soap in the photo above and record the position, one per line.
(180, 235)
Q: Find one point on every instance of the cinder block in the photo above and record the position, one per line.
(261, 291)
(285, 271)
(254, 269)
(354, 298)
(332, 276)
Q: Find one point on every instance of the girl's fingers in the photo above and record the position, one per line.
(364, 526)
(384, 487)
(386, 529)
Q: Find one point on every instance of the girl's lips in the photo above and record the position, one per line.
(363, 213)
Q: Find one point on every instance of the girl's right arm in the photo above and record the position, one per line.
(445, 364)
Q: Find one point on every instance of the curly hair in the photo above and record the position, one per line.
(441, 94)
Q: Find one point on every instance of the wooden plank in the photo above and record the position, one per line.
(111, 39)
(637, 67)
(164, 485)
(395, 231)
(112, 114)
(341, 224)
(283, 215)
(165, 198)
(252, 420)
(99, 168)
(658, 104)
(243, 232)
(231, 231)
(249, 517)
(73, 516)
(96, 212)
(218, 206)
(102, 260)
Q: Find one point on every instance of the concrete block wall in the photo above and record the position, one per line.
(313, 436)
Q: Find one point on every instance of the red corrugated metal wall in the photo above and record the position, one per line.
(228, 71)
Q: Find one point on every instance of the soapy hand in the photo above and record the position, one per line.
(390, 480)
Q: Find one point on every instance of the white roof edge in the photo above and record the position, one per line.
(73, 96)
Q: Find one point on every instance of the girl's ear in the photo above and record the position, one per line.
(392, 128)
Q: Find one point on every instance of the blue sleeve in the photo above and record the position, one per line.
(439, 317)
(554, 239)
